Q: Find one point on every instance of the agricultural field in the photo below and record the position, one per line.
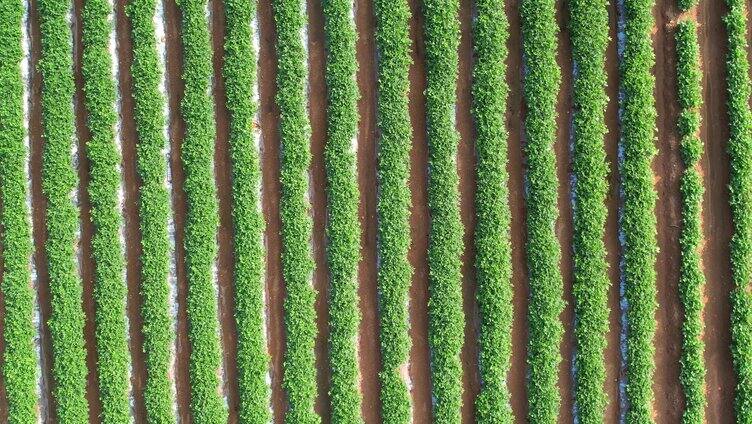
(375, 211)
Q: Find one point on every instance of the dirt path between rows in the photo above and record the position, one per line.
(667, 168)
(369, 348)
(716, 214)
(175, 88)
(420, 363)
(317, 191)
(517, 380)
(612, 354)
(467, 178)
(225, 254)
(39, 212)
(132, 232)
(269, 120)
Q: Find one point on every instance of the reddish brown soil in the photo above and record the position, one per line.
(720, 380)
(131, 219)
(269, 121)
(564, 222)
(613, 251)
(86, 262)
(39, 213)
(368, 350)
(466, 170)
(420, 367)
(515, 109)
(175, 88)
(667, 168)
(225, 256)
(317, 190)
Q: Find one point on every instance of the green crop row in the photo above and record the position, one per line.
(19, 355)
(691, 279)
(395, 273)
(154, 211)
(248, 220)
(638, 222)
(343, 227)
(299, 371)
(59, 182)
(541, 87)
(740, 153)
(446, 317)
(202, 218)
(493, 260)
(589, 35)
(104, 183)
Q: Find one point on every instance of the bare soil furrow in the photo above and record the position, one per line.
(368, 349)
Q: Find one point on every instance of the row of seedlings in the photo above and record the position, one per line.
(104, 188)
(299, 371)
(691, 278)
(147, 73)
(493, 247)
(637, 218)
(739, 149)
(343, 227)
(19, 356)
(393, 46)
(589, 37)
(446, 317)
(202, 219)
(59, 184)
(541, 86)
(248, 221)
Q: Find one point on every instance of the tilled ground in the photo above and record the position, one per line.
(667, 166)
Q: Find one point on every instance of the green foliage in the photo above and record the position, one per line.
(446, 317)
(299, 371)
(739, 148)
(691, 279)
(395, 273)
(248, 220)
(493, 260)
(110, 289)
(685, 5)
(19, 355)
(589, 35)
(638, 222)
(542, 80)
(154, 211)
(343, 227)
(202, 219)
(59, 182)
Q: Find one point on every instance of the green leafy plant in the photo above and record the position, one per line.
(19, 355)
(638, 222)
(589, 36)
(343, 227)
(59, 183)
(691, 278)
(202, 218)
(493, 260)
(446, 317)
(299, 371)
(395, 273)
(154, 210)
(248, 220)
(110, 290)
(541, 87)
(739, 148)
